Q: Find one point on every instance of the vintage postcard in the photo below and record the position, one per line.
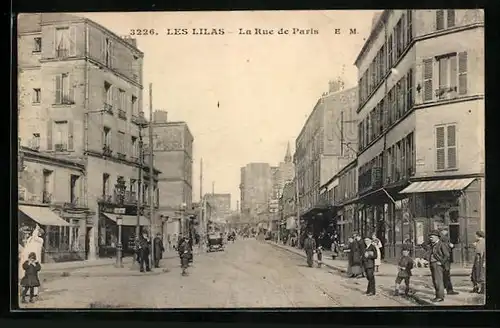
(251, 159)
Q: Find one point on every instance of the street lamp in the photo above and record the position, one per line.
(181, 225)
(119, 222)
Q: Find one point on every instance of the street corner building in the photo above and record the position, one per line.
(80, 99)
(421, 127)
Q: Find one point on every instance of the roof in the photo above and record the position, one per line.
(31, 153)
(376, 26)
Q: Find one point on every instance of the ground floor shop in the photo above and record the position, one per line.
(64, 231)
(407, 215)
(108, 231)
(321, 222)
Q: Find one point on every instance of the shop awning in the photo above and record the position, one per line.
(43, 215)
(129, 220)
(437, 185)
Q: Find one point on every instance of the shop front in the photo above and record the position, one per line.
(453, 205)
(58, 234)
(108, 229)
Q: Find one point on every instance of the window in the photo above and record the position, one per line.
(121, 142)
(35, 141)
(73, 180)
(37, 44)
(446, 147)
(409, 25)
(107, 137)
(439, 19)
(447, 76)
(64, 91)
(450, 17)
(47, 186)
(108, 56)
(135, 148)
(108, 96)
(61, 136)
(37, 94)
(105, 185)
(409, 89)
(65, 42)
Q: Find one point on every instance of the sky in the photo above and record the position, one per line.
(244, 97)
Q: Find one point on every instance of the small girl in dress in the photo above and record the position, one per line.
(30, 280)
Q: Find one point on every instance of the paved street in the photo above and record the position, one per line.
(248, 273)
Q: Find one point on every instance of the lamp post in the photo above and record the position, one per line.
(181, 223)
(119, 222)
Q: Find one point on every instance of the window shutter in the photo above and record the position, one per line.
(58, 88)
(409, 29)
(440, 148)
(462, 73)
(409, 91)
(451, 18)
(453, 74)
(427, 72)
(49, 134)
(103, 48)
(70, 135)
(72, 41)
(439, 19)
(451, 146)
(71, 88)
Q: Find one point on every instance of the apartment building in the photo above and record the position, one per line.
(173, 156)
(80, 97)
(325, 144)
(256, 189)
(50, 195)
(220, 203)
(421, 140)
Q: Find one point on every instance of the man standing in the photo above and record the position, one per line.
(439, 259)
(144, 248)
(158, 249)
(445, 239)
(369, 257)
(309, 247)
(361, 249)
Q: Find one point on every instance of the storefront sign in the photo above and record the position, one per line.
(123, 209)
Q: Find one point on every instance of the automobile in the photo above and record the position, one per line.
(215, 243)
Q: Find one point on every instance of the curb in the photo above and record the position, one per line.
(417, 299)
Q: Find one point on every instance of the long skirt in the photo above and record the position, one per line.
(356, 269)
(477, 274)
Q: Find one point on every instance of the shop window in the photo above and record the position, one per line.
(454, 227)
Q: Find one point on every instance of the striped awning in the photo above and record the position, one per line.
(437, 185)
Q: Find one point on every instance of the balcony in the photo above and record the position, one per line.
(75, 202)
(106, 150)
(370, 180)
(134, 159)
(108, 108)
(60, 147)
(122, 114)
(121, 156)
(46, 197)
(138, 119)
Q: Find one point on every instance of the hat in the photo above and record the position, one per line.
(435, 233)
(367, 237)
(406, 248)
(480, 233)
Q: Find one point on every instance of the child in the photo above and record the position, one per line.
(30, 279)
(405, 266)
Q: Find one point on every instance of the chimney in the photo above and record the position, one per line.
(160, 116)
(333, 86)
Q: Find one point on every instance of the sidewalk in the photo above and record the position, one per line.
(421, 282)
(96, 268)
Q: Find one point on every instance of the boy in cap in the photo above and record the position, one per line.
(405, 265)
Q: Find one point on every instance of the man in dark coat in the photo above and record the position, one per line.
(158, 249)
(357, 250)
(439, 260)
(184, 254)
(369, 257)
(445, 239)
(309, 247)
(144, 251)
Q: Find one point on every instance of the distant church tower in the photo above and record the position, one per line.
(288, 155)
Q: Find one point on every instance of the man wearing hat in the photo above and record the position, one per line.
(439, 261)
(369, 257)
(309, 248)
(445, 239)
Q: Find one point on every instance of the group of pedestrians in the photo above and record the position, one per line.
(143, 245)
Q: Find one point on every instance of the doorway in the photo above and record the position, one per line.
(87, 242)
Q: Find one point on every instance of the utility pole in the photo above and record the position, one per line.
(151, 175)
(213, 187)
(202, 213)
(341, 133)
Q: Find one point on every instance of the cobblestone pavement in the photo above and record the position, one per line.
(248, 273)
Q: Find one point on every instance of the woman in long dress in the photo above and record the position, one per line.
(378, 245)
